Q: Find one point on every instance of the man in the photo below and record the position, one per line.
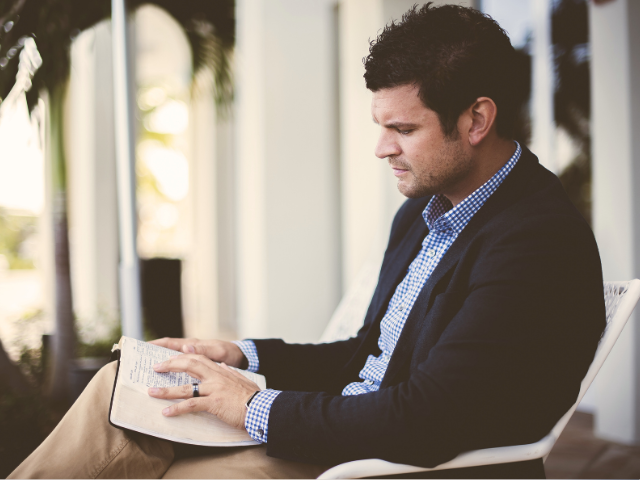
(486, 316)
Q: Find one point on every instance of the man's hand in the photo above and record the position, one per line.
(216, 350)
(223, 392)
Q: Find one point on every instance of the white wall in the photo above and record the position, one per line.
(287, 168)
(367, 188)
(615, 75)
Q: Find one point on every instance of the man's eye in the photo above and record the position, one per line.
(405, 132)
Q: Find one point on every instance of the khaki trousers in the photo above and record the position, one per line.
(85, 445)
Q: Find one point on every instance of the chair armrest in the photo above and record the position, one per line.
(489, 456)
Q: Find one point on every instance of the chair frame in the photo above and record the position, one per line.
(620, 300)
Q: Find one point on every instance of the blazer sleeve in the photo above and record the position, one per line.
(506, 367)
(305, 367)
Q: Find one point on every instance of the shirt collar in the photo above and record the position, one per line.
(439, 215)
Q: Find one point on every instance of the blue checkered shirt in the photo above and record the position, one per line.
(445, 224)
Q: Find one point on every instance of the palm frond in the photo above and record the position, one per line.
(209, 25)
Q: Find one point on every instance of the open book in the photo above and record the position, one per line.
(132, 408)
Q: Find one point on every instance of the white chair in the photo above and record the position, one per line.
(620, 300)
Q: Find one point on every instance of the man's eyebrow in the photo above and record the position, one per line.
(400, 125)
(397, 125)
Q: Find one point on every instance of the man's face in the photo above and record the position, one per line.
(423, 159)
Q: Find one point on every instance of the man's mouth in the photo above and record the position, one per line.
(398, 170)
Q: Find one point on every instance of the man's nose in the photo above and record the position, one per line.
(387, 145)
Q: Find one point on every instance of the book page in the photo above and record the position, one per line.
(137, 367)
(134, 409)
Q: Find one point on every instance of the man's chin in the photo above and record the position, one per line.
(411, 191)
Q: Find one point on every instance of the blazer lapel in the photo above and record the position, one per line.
(505, 195)
(395, 267)
(393, 270)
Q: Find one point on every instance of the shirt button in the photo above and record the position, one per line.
(260, 432)
(431, 252)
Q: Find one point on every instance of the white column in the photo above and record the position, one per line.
(46, 255)
(210, 265)
(287, 168)
(201, 265)
(364, 177)
(615, 86)
(92, 191)
(130, 296)
(543, 132)
(226, 224)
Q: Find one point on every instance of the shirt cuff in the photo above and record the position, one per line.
(257, 420)
(251, 352)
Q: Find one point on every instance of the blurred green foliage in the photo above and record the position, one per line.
(210, 29)
(26, 419)
(101, 347)
(17, 235)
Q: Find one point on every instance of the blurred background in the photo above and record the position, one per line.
(249, 193)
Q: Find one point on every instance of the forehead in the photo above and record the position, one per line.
(399, 104)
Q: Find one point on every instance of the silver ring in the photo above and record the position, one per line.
(196, 390)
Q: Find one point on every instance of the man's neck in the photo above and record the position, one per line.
(488, 160)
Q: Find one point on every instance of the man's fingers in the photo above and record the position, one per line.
(199, 348)
(197, 366)
(174, 343)
(183, 391)
(188, 406)
(168, 342)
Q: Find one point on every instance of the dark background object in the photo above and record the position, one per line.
(572, 100)
(162, 296)
(81, 371)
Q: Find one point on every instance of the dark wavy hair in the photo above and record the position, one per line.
(454, 55)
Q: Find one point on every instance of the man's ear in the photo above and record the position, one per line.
(483, 114)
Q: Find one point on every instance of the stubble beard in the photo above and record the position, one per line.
(455, 166)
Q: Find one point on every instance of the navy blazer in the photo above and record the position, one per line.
(492, 353)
